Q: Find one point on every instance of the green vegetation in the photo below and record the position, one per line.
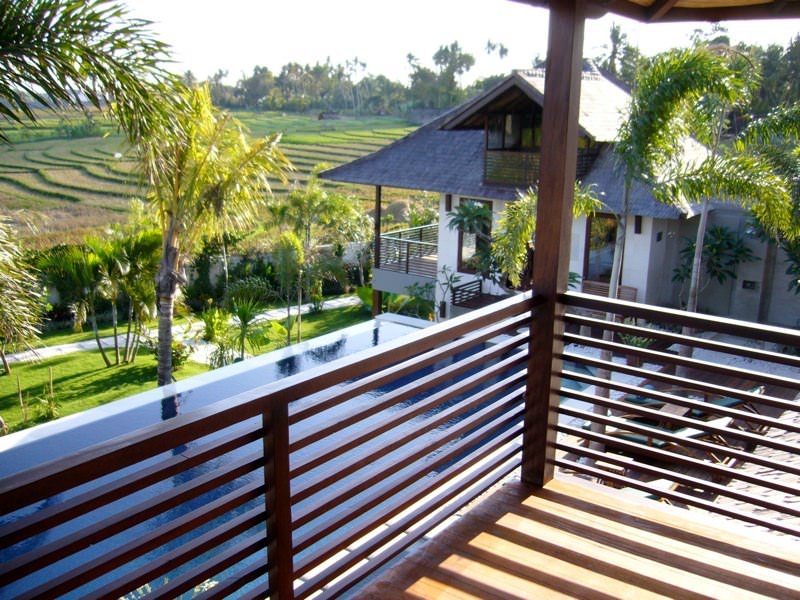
(80, 382)
(78, 186)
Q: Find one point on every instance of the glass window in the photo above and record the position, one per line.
(495, 137)
(471, 246)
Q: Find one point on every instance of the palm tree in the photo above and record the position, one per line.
(512, 241)
(22, 304)
(309, 211)
(113, 266)
(57, 54)
(204, 177)
(287, 254)
(142, 251)
(76, 271)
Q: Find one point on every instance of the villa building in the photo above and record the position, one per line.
(547, 472)
(488, 150)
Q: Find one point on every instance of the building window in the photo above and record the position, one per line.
(514, 131)
(601, 236)
(471, 246)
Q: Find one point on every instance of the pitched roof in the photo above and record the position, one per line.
(447, 154)
(431, 159)
(602, 107)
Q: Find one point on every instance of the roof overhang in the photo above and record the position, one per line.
(665, 11)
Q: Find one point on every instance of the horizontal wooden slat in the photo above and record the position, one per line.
(679, 400)
(360, 460)
(623, 481)
(757, 331)
(61, 512)
(672, 381)
(660, 433)
(402, 415)
(712, 470)
(405, 368)
(88, 572)
(673, 338)
(420, 384)
(222, 560)
(423, 518)
(381, 492)
(106, 527)
(709, 367)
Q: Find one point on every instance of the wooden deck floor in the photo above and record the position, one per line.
(573, 539)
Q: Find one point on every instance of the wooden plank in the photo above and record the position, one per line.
(581, 540)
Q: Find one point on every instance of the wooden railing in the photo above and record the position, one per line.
(282, 490)
(461, 294)
(713, 430)
(411, 251)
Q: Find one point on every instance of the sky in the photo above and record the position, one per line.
(237, 35)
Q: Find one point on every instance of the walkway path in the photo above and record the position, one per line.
(180, 332)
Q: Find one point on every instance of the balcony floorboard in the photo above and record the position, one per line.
(576, 539)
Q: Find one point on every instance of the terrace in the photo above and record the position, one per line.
(309, 485)
(313, 482)
(406, 257)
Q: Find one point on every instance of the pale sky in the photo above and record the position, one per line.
(237, 35)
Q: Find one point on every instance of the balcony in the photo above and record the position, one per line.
(314, 482)
(406, 257)
(520, 168)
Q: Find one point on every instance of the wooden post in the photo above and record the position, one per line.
(278, 501)
(377, 296)
(553, 225)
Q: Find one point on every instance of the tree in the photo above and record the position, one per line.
(513, 242)
(57, 54)
(204, 177)
(75, 271)
(725, 174)
(142, 252)
(112, 267)
(618, 41)
(22, 304)
(287, 254)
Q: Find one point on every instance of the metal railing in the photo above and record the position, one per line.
(412, 251)
(707, 419)
(282, 490)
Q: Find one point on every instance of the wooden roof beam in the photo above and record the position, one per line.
(659, 8)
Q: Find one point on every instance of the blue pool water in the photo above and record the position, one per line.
(34, 446)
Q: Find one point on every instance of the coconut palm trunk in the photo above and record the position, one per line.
(167, 288)
(96, 331)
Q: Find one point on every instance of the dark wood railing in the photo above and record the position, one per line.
(280, 491)
(710, 431)
(310, 483)
(411, 251)
(462, 294)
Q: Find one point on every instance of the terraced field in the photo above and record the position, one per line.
(80, 186)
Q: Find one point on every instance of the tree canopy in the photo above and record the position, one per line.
(55, 54)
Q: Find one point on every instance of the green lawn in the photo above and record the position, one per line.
(81, 381)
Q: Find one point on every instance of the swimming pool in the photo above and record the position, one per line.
(235, 379)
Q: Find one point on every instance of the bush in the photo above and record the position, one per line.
(180, 351)
(254, 289)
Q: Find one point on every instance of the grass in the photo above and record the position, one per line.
(58, 176)
(81, 380)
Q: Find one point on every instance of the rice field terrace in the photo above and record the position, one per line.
(72, 187)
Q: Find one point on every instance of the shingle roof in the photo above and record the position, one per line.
(440, 157)
(430, 159)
